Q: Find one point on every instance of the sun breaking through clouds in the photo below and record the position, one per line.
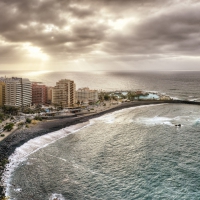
(101, 34)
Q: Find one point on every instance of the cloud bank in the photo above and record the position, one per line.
(102, 34)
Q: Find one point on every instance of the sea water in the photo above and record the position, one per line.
(135, 153)
(177, 84)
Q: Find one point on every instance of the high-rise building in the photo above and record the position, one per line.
(18, 92)
(49, 94)
(39, 93)
(64, 93)
(2, 93)
(86, 95)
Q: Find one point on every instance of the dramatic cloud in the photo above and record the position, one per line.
(101, 34)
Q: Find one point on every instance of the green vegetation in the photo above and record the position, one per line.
(8, 127)
(38, 118)
(2, 135)
(2, 117)
(113, 97)
(28, 111)
(110, 96)
(10, 110)
(132, 96)
(106, 97)
(21, 124)
(38, 109)
(28, 120)
(27, 126)
(103, 96)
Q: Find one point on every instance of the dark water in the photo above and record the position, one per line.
(182, 85)
(135, 153)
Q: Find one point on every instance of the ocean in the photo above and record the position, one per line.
(134, 153)
(178, 84)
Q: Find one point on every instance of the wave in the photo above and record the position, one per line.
(21, 153)
(111, 118)
(184, 120)
(57, 197)
(156, 121)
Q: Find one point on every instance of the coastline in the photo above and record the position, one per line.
(19, 137)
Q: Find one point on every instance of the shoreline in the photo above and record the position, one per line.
(19, 137)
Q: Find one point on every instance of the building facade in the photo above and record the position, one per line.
(39, 94)
(64, 93)
(2, 93)
(86, 95)
(18, 92)
(49, 94)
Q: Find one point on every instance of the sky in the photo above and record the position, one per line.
(81, 35)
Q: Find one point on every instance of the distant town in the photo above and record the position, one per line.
(23, 103)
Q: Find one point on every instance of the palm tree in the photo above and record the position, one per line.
(10, 110)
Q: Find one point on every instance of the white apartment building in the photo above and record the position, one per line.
(18, 92)
(86, 95)
(64, 93)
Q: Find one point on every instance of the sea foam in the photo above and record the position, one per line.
(112, 117)
(21, 153)
(56, 197)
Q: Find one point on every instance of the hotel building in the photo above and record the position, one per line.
(39, 94)
(18, 92)
(64, 93)
(86, 95)
(2, 93)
